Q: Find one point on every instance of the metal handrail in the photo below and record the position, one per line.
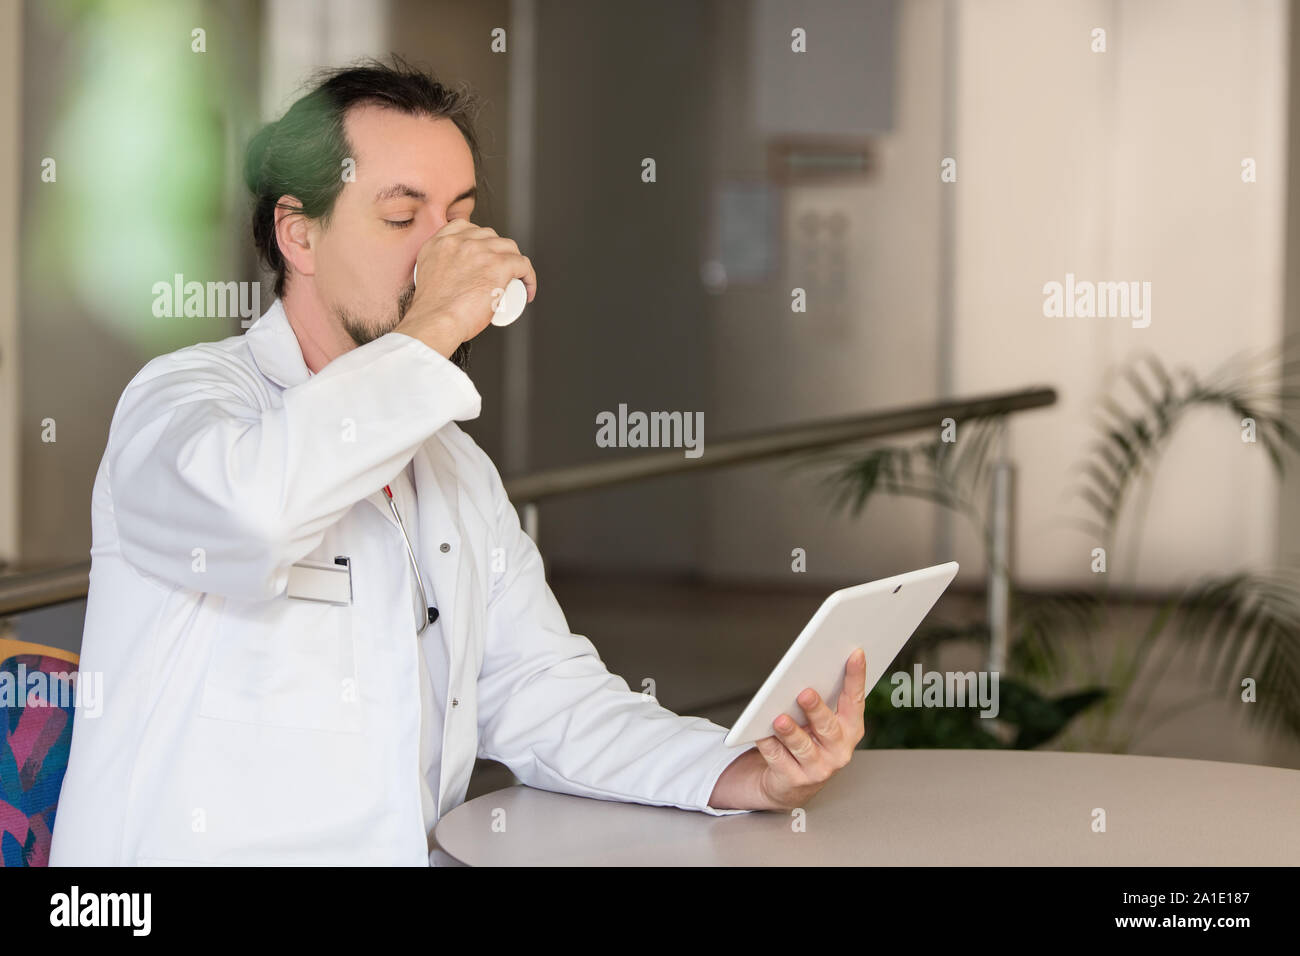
(770, 443)
(37, 589)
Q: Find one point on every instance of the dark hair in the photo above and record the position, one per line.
(302, 154)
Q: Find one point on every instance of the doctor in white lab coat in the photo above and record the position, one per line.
(243, 724)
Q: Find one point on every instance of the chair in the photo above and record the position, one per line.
(35, 737)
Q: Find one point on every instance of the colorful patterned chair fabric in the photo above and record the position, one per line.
(35, 737)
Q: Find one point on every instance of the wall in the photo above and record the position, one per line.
(1115, 165)
(1123, 165)
(776, 367)
(618, 317)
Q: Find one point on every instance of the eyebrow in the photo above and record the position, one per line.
(401, 189)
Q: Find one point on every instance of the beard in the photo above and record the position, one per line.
(361, 333)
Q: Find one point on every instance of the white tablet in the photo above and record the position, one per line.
(878, 617)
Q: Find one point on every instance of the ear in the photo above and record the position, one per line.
(295, 234)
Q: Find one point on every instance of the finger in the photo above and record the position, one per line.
(501, 244)
(521, 267)
(778, 757)
(801, 746)
(823, 721)
(460, 228)
(849, 706)
(468, 232)
(514, 264)
(455, 227)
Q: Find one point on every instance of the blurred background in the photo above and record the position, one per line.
(842, 257)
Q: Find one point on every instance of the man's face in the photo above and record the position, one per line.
(414, 174)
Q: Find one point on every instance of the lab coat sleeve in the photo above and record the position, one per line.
(551, 712)
(218, 487)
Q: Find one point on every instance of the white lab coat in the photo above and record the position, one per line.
(243, 726)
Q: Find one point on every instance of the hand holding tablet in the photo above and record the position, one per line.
(878, 617)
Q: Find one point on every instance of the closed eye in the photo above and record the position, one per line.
(399, 223)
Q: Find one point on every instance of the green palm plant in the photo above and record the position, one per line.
(1238, 625)
(957, 475)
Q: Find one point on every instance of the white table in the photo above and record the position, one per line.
(922, 807)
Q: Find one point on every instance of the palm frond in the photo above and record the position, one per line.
(1043, 624)
(1132, 433)
(1247, 625)
(954, 475)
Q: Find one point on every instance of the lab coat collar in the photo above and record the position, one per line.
(275, 348)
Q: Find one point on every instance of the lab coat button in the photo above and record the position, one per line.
(455, 702)
(444, 547)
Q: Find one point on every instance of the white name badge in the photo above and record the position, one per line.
(327, 583)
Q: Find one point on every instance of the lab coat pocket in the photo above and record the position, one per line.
(284, 663)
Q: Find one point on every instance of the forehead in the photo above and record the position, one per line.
(429, 153)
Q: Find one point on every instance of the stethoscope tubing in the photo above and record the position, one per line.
(415, 565)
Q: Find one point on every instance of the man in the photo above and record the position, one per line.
(276, 690)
